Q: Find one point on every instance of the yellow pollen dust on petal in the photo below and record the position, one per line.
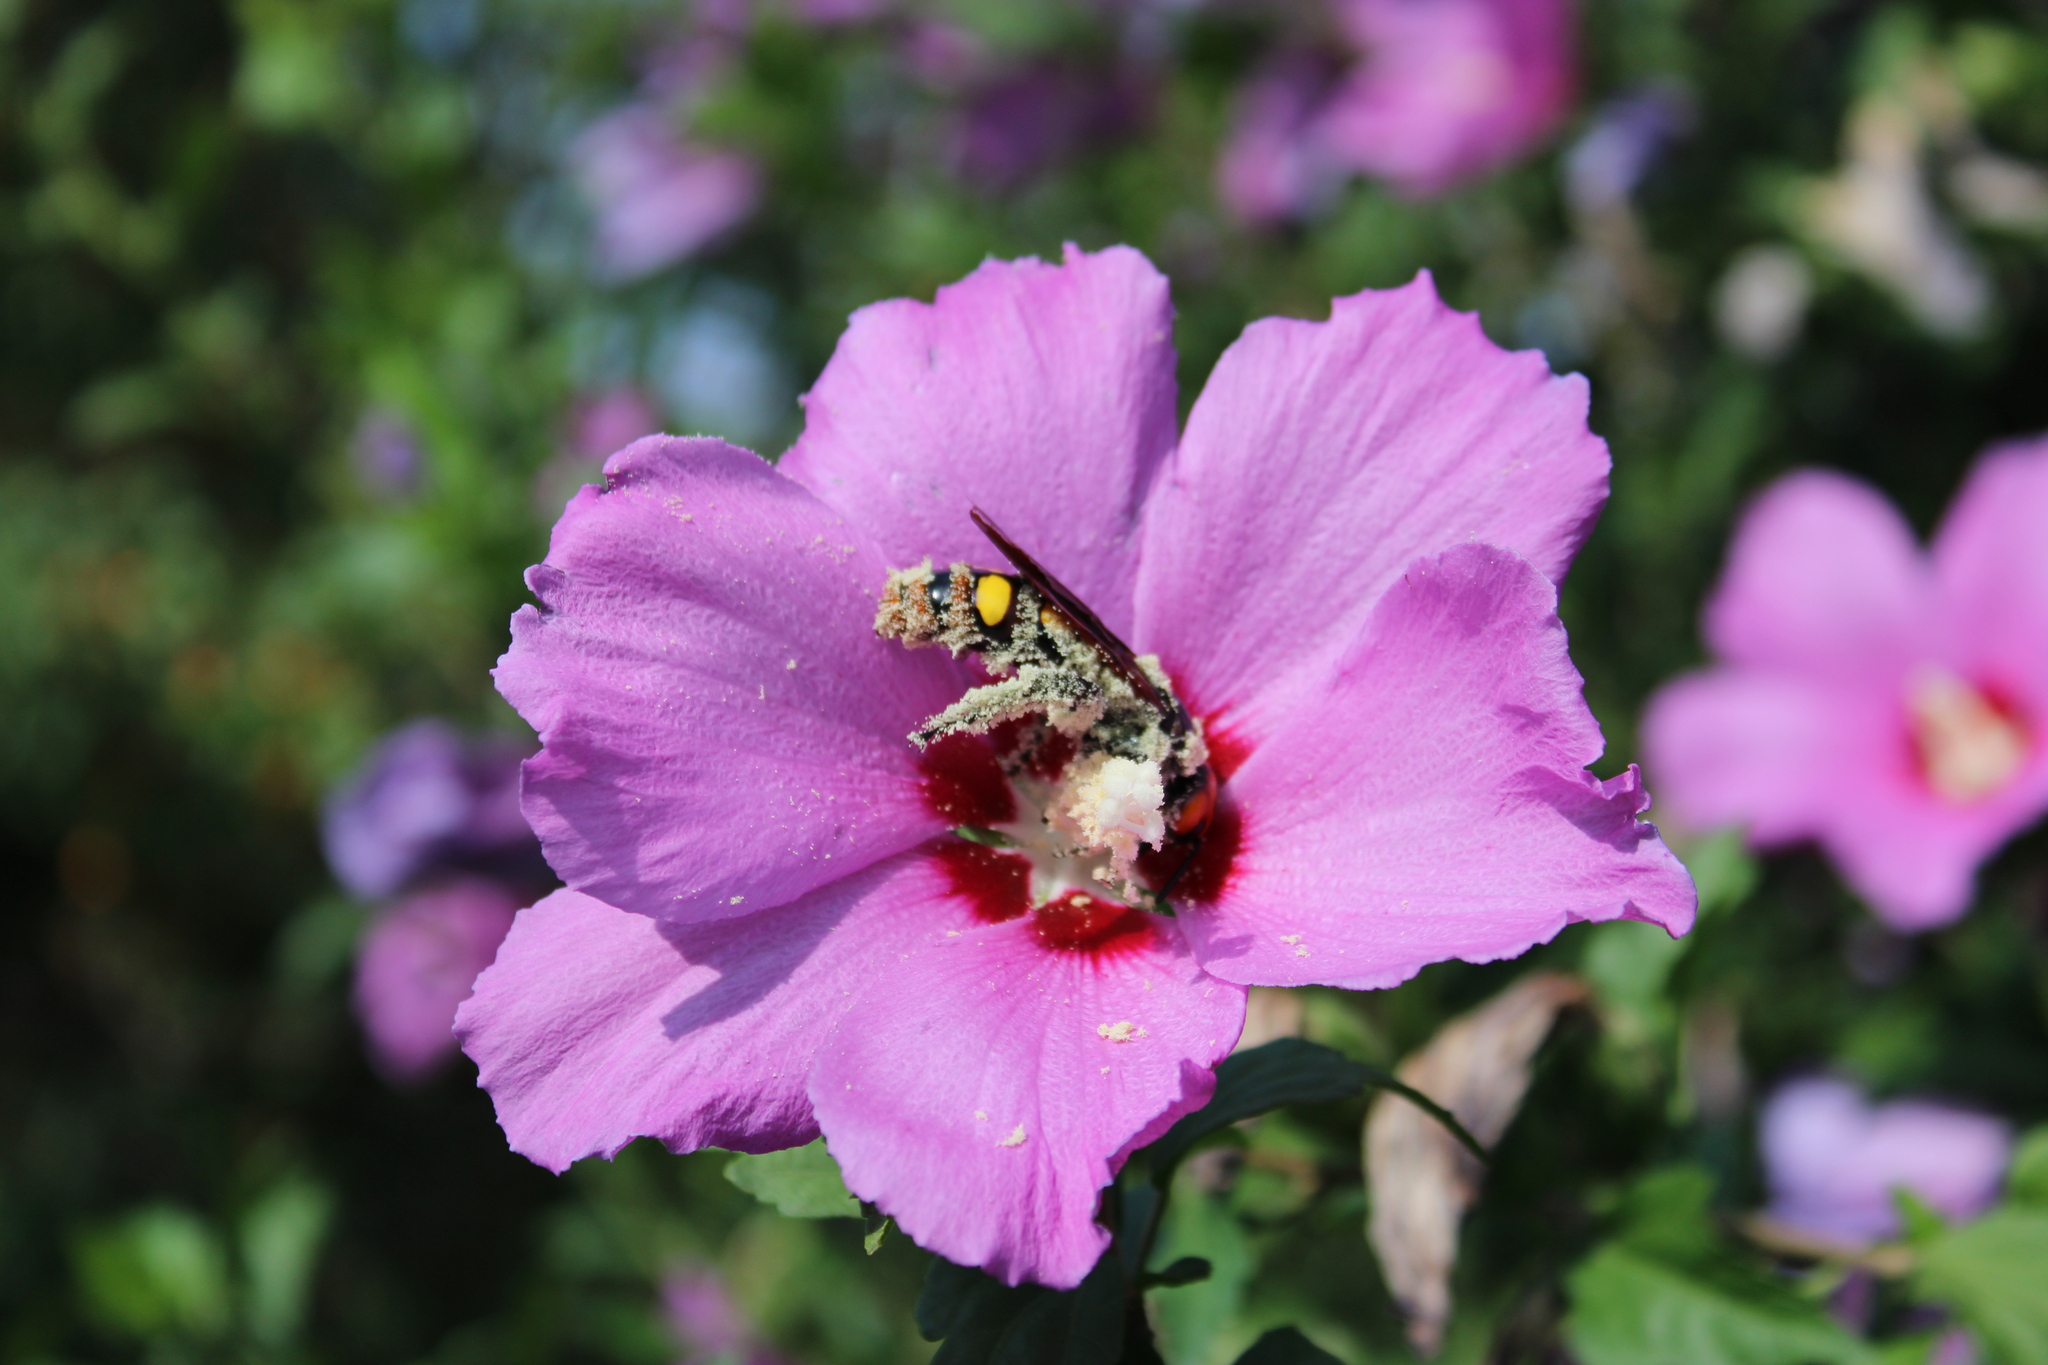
(1122, 1031)
(1968, 748)
(1015, 1139)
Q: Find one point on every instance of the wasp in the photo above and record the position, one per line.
(1061, 661)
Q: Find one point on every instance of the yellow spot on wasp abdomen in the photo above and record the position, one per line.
(992, 598)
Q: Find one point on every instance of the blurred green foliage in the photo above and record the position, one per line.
(242, 244)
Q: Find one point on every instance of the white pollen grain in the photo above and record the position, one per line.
(1290, 938)
(981, 1116)
(1301, 952)
(735, 900)
(764, 691)
(1015, 1139)
(1122, 1031)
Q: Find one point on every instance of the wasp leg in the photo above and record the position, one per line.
(1194, 843)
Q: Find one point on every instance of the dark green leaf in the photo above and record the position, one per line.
(1629, 1308)
(1286, 1346)
(1994, 1274)
(952, 1295)
(1082, 1327)
(1286, 1071)
(1186, 1270)
(802, 1182)
(985, 1322)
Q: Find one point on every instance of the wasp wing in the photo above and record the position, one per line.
(1100, 637)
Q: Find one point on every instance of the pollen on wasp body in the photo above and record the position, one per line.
(1096, 737)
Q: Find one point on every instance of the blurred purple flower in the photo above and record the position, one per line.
(1024, 122)
(1954, 1347)
(1270, 169)
(427, 799)
(1886, 703)
(657, 197)
(707, 1323)
(416, 964)
(1832, 1160)
(944, 57)
(386, 453)
(1603, 168)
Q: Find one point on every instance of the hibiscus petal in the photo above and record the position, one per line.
(721, 731)
(1042, 393)
(985, 1088)
(596, 1026)
(1432, 802)
(1324, 458)
(1794, 757)
(1740, 746)
(1992, 559)
(1823, 579)
(1912, 856)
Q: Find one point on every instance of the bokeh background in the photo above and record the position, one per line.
(313, 312)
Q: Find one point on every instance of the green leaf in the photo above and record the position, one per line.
(1191, 1317)
(1286, 1071)
(1286, 1346)
(1629, 1308)
(159, 1272)
(874, 1227)
(803, 1182)
(1723, 869)
(985, 1322)
(1994, 1274)
(1084, 1326)
(2027, 1180)
(281, 1238)
(1665, 1215)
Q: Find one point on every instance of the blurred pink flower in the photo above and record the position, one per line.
(416, 964)
(599, 424)
(1886, 703)
(1449, 89)
(1270, 168)
(658, 198)
(1832, 1160)
(1442, 92)
(709, 1326)
(611, 420)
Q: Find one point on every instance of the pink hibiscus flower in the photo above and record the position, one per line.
(1887, 703)
(1833, 1160)
(1344, 568)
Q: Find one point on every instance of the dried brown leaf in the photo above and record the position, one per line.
(1421, 1180)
